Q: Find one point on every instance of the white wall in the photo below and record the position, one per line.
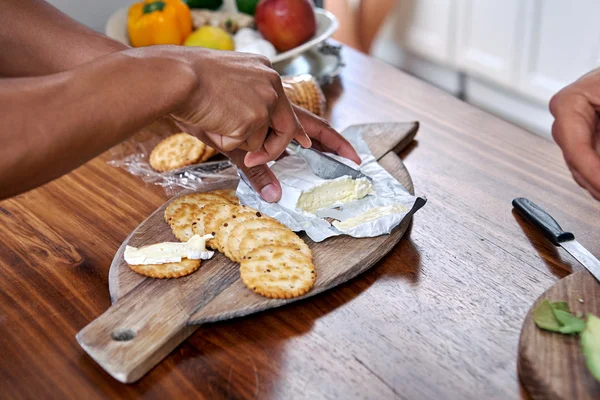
(93, 13)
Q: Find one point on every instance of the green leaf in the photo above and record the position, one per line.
(556, 317)
(569, 322)
(544, 317)
(560, 305)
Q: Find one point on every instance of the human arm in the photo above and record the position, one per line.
(37, 39)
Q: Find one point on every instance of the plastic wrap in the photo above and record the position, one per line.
(133, 155)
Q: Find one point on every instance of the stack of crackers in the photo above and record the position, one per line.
(178, 151)
(304, 91)
(274, 261)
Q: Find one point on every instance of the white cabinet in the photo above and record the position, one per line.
(562, 42)
(427, 28)
(489, 38)
(507, 56)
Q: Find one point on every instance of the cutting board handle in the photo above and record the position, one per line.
(136, 332)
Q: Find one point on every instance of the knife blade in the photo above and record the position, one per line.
(322, 165)
(553, 231)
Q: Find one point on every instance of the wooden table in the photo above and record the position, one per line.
(439, 317)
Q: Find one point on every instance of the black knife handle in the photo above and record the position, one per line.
(542, 220)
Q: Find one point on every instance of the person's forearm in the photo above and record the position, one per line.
(37, 39)
(51, 125)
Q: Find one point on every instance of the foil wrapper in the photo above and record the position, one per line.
(296, 176)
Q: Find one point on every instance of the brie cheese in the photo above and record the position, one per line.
(333, 193)
(369, 215)
(168, 252)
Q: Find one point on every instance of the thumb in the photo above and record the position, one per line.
(263, 180)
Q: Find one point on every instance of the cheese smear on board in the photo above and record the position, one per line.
(168, 252)
(369, 215)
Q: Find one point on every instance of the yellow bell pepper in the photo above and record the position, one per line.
(152, 22)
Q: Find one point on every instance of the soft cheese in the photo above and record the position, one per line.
(168, 252)
(333, 193)
(369, 215)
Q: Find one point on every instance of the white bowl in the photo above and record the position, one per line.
(327, 24)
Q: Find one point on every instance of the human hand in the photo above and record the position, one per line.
(576, 129)
(325, 138)
(239, 98)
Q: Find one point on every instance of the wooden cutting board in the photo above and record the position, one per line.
(552, 365)
(150, 317)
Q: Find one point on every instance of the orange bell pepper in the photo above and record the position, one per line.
(152, 22)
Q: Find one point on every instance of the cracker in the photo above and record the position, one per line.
(181, 222)
(229, 194)
(201, 199)
(227, 226)
(208, 154)
(168, 270)
(208, 219)
(272, 237)
(278, 272)
(241, 230)
(176, 151)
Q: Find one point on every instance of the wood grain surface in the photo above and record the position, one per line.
(150, 317)
(438, 318)
(551, 365)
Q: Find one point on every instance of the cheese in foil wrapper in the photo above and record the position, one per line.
(375, 214)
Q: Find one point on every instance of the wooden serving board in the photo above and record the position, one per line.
(150, 317)
(552, 365)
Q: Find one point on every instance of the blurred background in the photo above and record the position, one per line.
(508, 57)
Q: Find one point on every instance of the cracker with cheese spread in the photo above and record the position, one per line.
(168, 270)
(278, 272)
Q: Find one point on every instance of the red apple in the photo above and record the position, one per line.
(286, 23)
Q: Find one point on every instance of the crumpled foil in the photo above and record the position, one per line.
(295, 175)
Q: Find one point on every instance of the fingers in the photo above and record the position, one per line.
(256, 140)
(319, 129)
(574, 130)
(263, 180)
(284, 128)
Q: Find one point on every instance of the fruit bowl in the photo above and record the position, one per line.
(327, 24)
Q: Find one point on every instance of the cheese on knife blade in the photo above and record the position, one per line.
(169, 252)
(335, 192)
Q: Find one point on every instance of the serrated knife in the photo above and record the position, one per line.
(553, 231)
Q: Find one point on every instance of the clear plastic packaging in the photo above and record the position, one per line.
(133, 155)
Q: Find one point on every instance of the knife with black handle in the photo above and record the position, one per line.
(553, 231)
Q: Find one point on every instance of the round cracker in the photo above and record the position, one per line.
(176, 151)
(241, 230)
(229, 194)
(208, 219)
(168, 270)
(227, 226)
(267, 236)
(201, 199)
(181, 222)
(278, 272)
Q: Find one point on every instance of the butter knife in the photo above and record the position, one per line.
(322, 165)
(553, 231)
